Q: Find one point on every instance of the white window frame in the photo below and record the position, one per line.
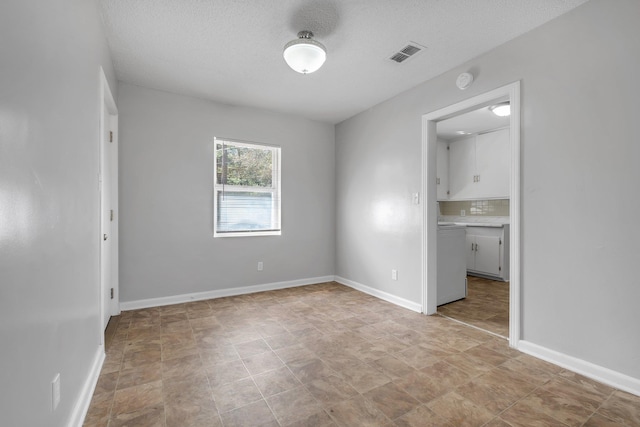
(275, 189)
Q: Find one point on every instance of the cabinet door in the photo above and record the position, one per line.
(442, 170)
(488, 255)
(462, 168)
(492, 164)
(471, 251)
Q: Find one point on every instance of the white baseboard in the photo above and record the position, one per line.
(413, 306)
(604, 375)
(84, 400)
(219, 293)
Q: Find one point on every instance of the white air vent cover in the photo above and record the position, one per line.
(406, 52)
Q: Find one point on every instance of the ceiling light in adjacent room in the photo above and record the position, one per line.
(502, 109)
(304, 54)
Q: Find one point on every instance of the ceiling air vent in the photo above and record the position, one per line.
(406, 52)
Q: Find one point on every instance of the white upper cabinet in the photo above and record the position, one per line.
(442, 170)
(462, 169)
(479, 167)
(492, 164)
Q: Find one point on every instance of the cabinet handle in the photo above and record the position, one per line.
(476, 247)
(472, 246)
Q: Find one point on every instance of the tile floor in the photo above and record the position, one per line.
(486, 306)
(327, 355)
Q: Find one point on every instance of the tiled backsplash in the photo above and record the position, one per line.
(476, 207)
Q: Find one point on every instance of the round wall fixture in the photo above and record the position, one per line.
(464, 80)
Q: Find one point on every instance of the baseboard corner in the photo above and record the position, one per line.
(401, 302)
(598, 373)
(81, 407)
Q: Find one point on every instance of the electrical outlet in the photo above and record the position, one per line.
(394, 274)
(463, 212)
(55, 392)
(260, 266)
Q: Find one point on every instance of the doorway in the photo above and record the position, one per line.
(108, 186)
(473, 176)
(511, 93)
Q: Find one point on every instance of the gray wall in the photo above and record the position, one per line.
(166, 176)
(50, 53)
(580, 242)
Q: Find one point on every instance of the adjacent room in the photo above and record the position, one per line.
(319, 213)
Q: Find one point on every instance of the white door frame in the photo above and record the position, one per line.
(108, 109)
(430, 210)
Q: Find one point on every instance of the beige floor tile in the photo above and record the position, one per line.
(358, 411)
(458, 411)
(496, 390)
(262, 362)
(528, 371)
(235, 395)
(251, 348)
(473, 366)
(421, 417)
(330, 390)
(363, 377)
(563, 410)
(586, 397)
(99, 410)
(442, 377)
(141, 358)
(150, 416)
(194, 412)
(520, 415)
(107, 383)
(392, 400)
(276, 381)
(226, 372)
(137, 398)
(220, 354)
(623, 408)
(256, 414)
(598, 420)
(392, 367)
(307, 370)
(293, 405)
(140, 375)
(182, 366)
(319, 419)
(414, 384)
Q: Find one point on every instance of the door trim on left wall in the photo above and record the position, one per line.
(108, 109)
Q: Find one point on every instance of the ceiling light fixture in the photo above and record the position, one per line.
(304, 54)
(502, 109)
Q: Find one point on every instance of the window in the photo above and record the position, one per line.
(246, 186)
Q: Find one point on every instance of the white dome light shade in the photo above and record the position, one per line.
(304, 54)
(503, 109)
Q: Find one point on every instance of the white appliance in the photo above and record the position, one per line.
(452, 263)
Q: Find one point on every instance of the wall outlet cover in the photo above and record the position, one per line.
(463, 212)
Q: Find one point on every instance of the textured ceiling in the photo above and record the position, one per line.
(230, 51)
